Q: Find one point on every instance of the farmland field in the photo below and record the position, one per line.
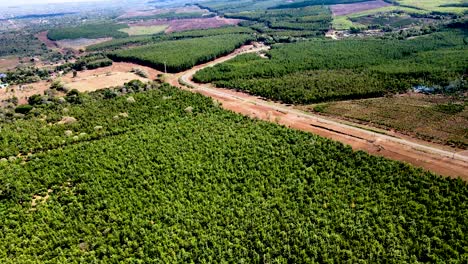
(183, 54)
(436, 5)
(346, 9)
(142, 30)
(209, 185)
(440, 119)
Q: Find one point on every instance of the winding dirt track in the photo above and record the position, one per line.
(426, 156)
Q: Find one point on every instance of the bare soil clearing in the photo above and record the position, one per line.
(8, 63)
(420, 154)
(347, 9)
(143, 13)
(80, 43)
(86, 81)
(413, 114)
(189, 24)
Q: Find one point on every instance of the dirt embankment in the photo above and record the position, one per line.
(424, 155)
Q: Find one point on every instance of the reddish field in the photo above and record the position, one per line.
(346, 9)
(143, 13)
(188, 24)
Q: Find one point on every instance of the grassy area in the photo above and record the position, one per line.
(143, 30)
(344, 22)
(166, 176)
(436, 5)
(91, 31)
(435, 118)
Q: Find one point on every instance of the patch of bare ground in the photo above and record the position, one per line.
(412, 114)
(190, 24)
(86, 81)
(179, 10)
(347, 9)
(81, 43)
(8, 63)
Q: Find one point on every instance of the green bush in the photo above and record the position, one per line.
(23, 109)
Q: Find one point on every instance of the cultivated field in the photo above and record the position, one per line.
(346, 9)
(147, 13)
(188, 24)
(143, 30)
(436, 5)
(431, 118)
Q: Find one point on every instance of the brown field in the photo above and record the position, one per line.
(188, 24)
(143, 13)
(8, 63)
(86, 81)
(80, 43)
(414, 115)
(346, 9)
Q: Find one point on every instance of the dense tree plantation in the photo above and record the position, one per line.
(320, 70)
(91, 31)
(184, 181)
(179, 55)
(315, 19)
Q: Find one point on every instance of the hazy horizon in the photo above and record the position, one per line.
(35, 2)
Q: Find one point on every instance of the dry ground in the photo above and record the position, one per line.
(8, 63)
(86, 81)
(189, 24)
(346, 9)
(412, 114)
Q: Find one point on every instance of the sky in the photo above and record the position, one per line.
(31, 2)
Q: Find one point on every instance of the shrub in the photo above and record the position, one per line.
(23, 109)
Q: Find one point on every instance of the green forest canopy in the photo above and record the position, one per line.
(169, 185)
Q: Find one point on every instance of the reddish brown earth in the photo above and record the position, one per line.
(424, 155)
(42, 36)
(189, 24)
(346, 9)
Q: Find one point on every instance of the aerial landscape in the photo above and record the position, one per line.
(249, 131)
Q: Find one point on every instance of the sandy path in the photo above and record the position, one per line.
(426, 156)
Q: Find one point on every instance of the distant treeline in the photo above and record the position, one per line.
(39, 16)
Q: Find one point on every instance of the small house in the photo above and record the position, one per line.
(4, 85)
(2, 75)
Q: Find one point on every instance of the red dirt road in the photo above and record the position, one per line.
(427, 156)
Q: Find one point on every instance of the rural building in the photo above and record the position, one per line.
(2, 75)
(4, 85)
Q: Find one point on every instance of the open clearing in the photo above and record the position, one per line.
(80, 43)
(86, 81)
(346, 9)
(435, 158)
(141, 30)
(8, 63)
(145, 13)
(435, 5)
(416, 115)
(189, 24)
